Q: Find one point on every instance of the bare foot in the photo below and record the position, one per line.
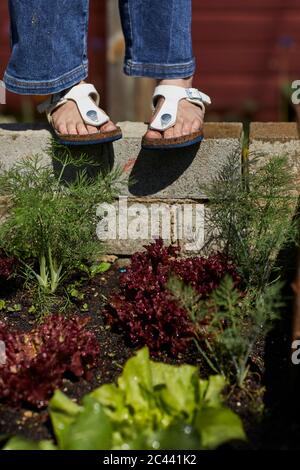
(68, 121)
(189, 118)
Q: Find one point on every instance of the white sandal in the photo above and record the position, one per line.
(167, 116)
(87, 100)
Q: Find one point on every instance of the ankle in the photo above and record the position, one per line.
(79, 83)
(182, 82)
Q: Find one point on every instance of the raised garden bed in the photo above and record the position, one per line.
(223, 314)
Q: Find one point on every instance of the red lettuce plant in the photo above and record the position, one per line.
(205, 274)
(36, 362)
(147, 311)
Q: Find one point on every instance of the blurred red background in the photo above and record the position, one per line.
(247, 51)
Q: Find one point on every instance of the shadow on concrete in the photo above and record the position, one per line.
(155, 170)
(96, 159)
(17, 127)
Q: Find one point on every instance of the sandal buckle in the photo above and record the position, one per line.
(165, 119)
(92, 115)
(194, 94)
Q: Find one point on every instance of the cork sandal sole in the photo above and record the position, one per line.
(173, 143)
(89, 139)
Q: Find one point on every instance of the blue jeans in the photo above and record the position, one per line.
(49, 42)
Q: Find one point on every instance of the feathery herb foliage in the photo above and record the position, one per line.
(254, 216)
(52, 223)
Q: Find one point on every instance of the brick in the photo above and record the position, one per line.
(276, 139)
(274, 131)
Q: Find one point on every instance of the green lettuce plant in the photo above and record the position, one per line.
(153, 406)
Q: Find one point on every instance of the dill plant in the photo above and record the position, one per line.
(51, 226)
(254, 215)
(229, 323)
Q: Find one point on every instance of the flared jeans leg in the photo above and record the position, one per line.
(49, 45)
(158, 38)
(49, 42)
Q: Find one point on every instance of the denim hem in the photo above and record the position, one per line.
(159, 71)
(27, 87)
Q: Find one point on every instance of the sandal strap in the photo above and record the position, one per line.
(167, 115)
(87, 100)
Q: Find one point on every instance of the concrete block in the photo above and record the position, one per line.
(276, 139)
(21, 141)
(164, 191)
(171, 181)
(178, 174)
(182, 173)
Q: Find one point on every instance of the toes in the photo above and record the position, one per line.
(153, 134)
(178, 128)
(169, 133)
(196, 125)
(187, 128)
(71, 126)
(92, 129)
(81, 128)
(67, 120)
(61, 128)
(108, 127)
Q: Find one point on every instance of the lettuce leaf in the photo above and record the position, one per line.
(20, 443)
(153, 406)
(217, 426)
(84, 427)
(153, 397)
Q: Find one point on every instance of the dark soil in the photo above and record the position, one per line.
(114, 352)
(249, 403)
